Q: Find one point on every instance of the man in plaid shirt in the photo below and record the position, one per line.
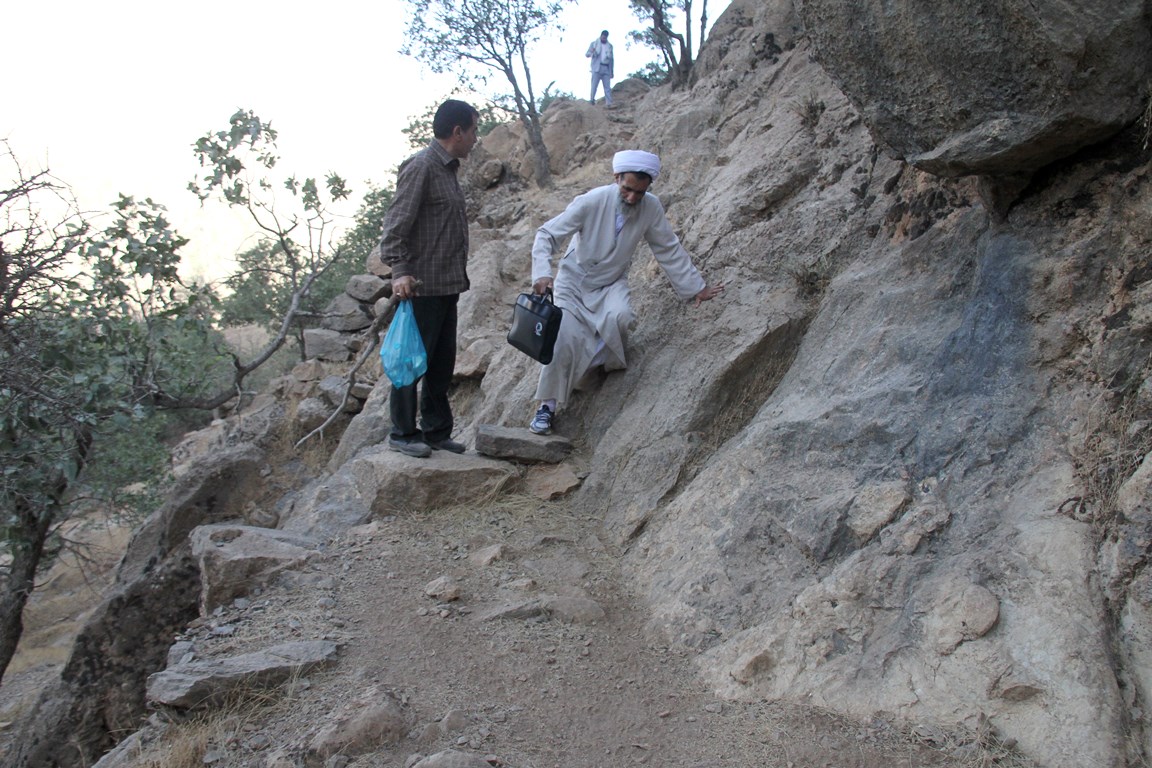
(425, 242)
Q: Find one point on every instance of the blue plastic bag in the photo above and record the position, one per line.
(402, 352)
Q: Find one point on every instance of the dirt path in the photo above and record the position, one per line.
(507, 633)
(529, 692)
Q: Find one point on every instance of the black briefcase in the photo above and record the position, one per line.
(535, 323)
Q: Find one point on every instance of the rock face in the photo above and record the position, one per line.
(987, 87)
(899, 467)
(849, 481)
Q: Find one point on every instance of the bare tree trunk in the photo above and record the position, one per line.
(543, 163)
(17, 588)
(33, 519)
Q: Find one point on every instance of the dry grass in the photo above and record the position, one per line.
(970, 749)
(808, 108)
(1117, 440)
(314, 453)
(191, 740)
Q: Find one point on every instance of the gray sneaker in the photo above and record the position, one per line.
(415, 448)
(542, 422)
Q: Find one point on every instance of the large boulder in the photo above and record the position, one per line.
(234, 559)
(394, 482)
(210, 681)
(326, 344)
(345, 313)
(986, 87)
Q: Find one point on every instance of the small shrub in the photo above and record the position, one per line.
(808, 109)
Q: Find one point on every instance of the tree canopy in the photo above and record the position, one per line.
(97, 330)
(266, 273)
(487, 37)
(675, 47)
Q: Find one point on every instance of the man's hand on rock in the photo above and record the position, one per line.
(709, 292)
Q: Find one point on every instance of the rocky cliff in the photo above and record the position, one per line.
(899, 466)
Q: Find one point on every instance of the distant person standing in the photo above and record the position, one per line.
(601, 54)
(425, 241)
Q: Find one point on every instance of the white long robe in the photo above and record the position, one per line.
(591, 284)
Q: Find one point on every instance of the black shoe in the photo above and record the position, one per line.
(447, 444)
(415, 448)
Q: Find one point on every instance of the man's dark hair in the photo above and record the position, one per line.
(453, 113)
(639, 174)
(603, 33)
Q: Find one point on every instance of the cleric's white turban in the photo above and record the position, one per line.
(636, 161)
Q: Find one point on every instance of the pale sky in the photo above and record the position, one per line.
(110, 96)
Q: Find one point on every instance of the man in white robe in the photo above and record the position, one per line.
(591, 285)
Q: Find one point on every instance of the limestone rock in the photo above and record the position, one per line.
(345, 313)
(234, 558)
(127, 753)
(443, 589)
(367, 289)
(311, 412)
(374, 722)
(577, 610)
(370, 427)
(983, 87)
(452, 759)
(255, 424)
(962, 611)
(487, 555)
(489, 174)
(553, 482)
(521, 445)
(309, 370)
(362, 390)
(333, 389)
(875, 507)
(374, 266)
(397, 482)
(326, 344)
(204, 682)
(473, 361)
(563, 128)
(328, 506)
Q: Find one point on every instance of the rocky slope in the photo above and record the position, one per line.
(897, 471)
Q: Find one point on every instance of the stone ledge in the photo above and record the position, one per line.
(518, 444)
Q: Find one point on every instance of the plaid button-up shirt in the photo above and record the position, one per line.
(425, 232)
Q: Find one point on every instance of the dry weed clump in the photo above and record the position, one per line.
(203, 737)
(808, 108)
(973, 749)
(1116, 441)
(285, 449)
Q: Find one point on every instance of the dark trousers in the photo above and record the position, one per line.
(436, 319)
